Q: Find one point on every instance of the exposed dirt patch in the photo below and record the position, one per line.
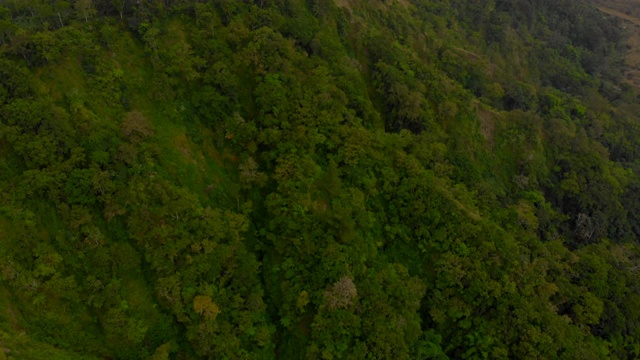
(10, 313)
(343, 4)
(348, 4)
(487, 124)
(620, 14)
(182, 144)
(470, 55)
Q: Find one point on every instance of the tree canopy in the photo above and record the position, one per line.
(348, 179)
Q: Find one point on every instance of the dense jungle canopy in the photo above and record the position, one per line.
(318, 179)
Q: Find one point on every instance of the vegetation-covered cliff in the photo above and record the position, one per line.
(326, 179)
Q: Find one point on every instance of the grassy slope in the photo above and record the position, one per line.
(629, 13)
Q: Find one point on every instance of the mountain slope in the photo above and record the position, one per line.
(293, 179)
(625, 12)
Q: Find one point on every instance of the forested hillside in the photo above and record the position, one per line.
(317, 179)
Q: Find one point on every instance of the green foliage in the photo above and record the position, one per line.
(320, 180)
